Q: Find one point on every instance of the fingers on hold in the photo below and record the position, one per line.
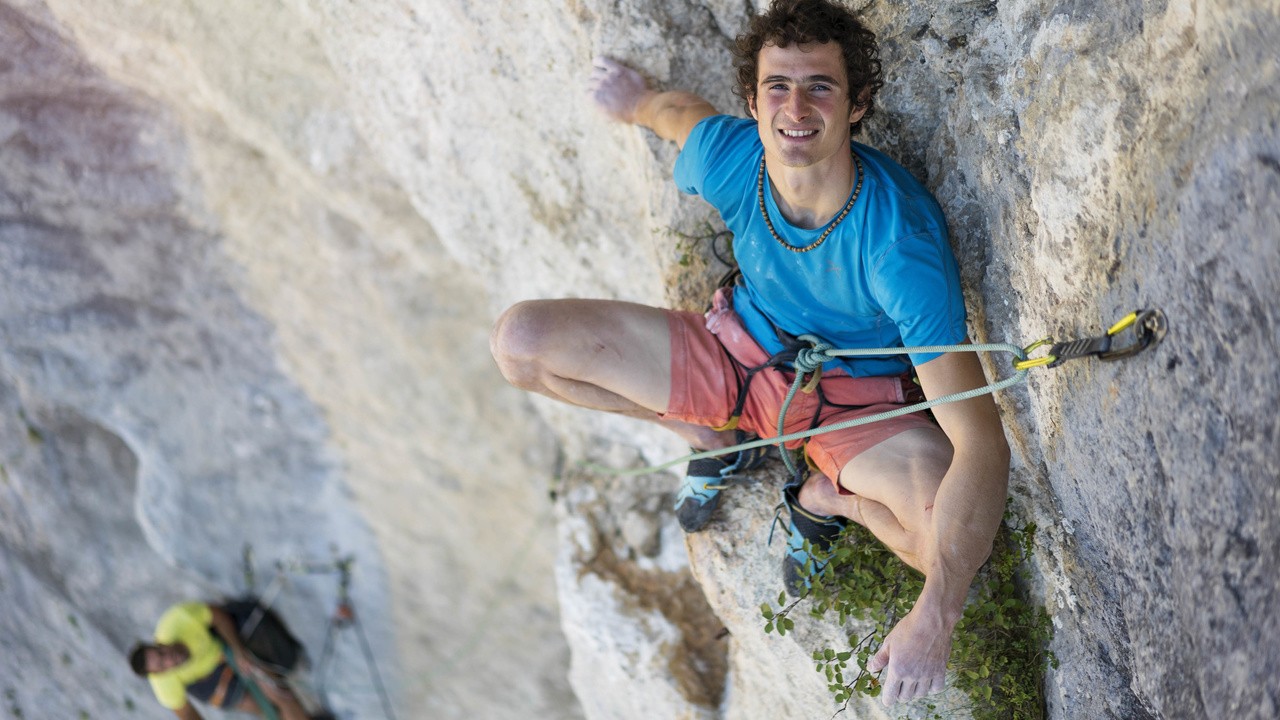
(910, 691)
(891, 691)
(878, 661)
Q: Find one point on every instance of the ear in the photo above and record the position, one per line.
(855, 112)
(751, 105)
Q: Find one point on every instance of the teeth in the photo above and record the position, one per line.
(799, 133)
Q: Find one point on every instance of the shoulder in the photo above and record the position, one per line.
(724, 129)
(900, 199)
(198, 611)
(720, 162)
(714, 142)
(178, 619)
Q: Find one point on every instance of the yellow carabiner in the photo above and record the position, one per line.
(1123, 323)
(731, 425)
(1034, 362)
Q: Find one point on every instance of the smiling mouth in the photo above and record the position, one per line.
(799, 133)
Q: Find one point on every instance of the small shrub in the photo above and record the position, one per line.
(999, 647)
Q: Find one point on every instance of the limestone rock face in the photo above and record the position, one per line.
(223, 323)
(249, 255)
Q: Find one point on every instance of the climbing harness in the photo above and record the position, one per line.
(1148, 329)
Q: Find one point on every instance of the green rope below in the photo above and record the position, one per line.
(811, 358)
(268, 710)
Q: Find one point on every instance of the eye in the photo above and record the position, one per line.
(820, 88)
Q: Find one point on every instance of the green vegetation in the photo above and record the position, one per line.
(1000, 646)
(687, 243)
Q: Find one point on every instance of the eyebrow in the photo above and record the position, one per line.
(812, 78)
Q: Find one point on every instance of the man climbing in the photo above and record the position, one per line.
(187, 659)
(834, 240)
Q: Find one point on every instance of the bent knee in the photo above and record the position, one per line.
(520, 339)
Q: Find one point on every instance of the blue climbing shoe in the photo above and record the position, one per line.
(699, 494)
(821, 531)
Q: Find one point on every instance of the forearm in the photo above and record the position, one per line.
(969, 502)
(671, 114)
(226, 627)
(966, 514)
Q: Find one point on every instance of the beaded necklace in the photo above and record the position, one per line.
(847, 207)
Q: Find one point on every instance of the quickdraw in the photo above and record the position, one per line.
(1148, 326)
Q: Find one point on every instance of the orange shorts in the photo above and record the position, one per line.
(710, 356)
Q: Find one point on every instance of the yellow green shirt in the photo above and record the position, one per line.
(187, 624)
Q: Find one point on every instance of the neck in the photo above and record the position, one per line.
(809, 197)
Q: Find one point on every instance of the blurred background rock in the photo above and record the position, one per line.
(250, 253)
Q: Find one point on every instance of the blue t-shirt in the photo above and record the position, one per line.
(885, 277)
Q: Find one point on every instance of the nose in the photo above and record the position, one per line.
(797, 106)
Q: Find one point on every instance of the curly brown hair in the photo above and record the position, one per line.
(800, 22)
(138, 658)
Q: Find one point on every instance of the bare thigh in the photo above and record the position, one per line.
(567, 348)
(902, 475)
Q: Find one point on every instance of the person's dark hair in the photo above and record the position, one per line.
(138, 659)
(789, 22)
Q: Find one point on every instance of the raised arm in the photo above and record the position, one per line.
(623, 95)
(966, 513)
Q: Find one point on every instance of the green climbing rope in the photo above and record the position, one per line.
(268, 710)
(811, 359)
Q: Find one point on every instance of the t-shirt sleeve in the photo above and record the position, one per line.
(182, 620)
(169, 690)
(718, 150)
(917, 283)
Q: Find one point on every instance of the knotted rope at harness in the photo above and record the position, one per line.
(809, 361)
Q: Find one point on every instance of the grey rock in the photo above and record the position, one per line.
(249, 254)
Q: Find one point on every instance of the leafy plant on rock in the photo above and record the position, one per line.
(999, 647)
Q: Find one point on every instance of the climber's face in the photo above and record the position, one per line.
(802, 104)
(165, 657)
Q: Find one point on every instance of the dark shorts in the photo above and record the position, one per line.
(709, 359)
(206, 689)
